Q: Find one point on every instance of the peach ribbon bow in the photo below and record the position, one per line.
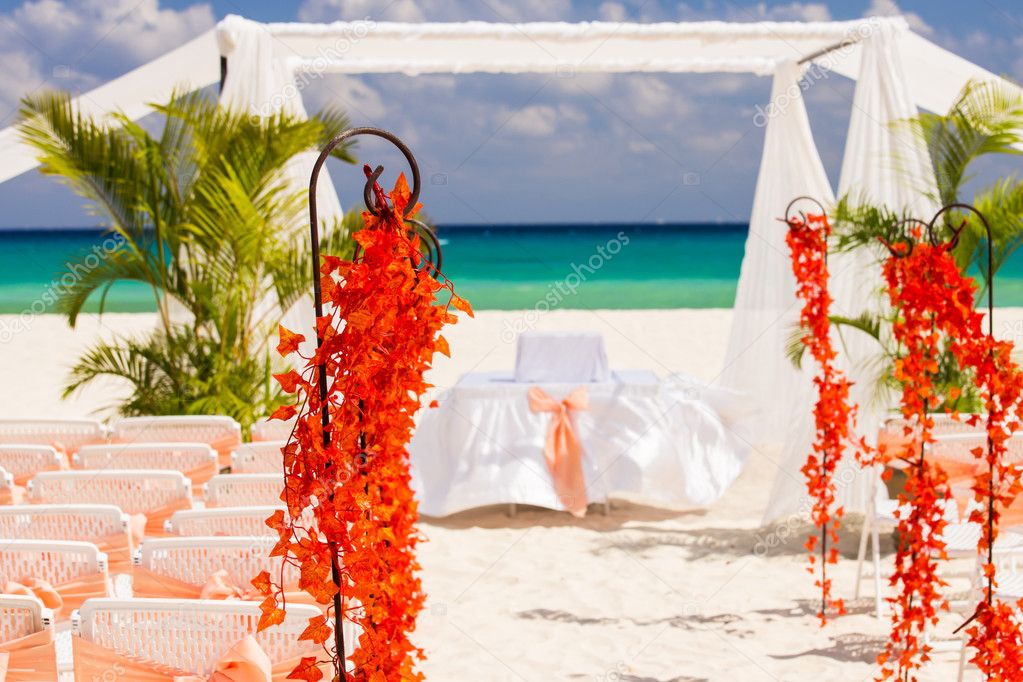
(40, 589)
(244, 662)
(562, 449)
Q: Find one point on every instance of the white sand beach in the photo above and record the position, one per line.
(644, 594)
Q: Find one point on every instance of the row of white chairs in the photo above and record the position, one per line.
(25, 461)
(71, 434)
(87, 522)
(139, 491)
(189, 636)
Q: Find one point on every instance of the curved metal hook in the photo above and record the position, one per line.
(788, 209)
(899, 225)
(428, 240)
(957, 231)
(314, 229)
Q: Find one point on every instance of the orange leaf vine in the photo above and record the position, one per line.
(807, 240)
(934, 302)
(378, 339)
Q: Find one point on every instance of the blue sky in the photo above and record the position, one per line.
(511, 148)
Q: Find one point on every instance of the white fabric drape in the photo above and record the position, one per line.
(766, 310)
(260, 82)
(884, 164)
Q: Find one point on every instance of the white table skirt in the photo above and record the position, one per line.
(482, 445)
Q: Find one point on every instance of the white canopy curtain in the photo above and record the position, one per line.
(884, 164)
(264, 58)
(766, 309)
(261, 82)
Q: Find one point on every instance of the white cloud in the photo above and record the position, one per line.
(122, 29)
(435, 10)
(537, 120)
(889, 8)
(612, 11)
(77, 45)
(793, 11)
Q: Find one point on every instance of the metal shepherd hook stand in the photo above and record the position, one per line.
(432, 259)
(790, 221)
(989, 283)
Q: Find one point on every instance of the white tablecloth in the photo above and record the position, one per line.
(482, 445)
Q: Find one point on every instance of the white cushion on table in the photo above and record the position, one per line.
(561, 357)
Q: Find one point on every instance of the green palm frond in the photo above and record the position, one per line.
(207, 215)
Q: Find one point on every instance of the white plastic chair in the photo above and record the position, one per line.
(54, 562)
(194, 559)
(71, 434)
(1009, 576)
(221, 433)
(881, 514)
(244, 490)
(272, 429)
(81, 522)
(22, 616)
(190, 635)
(135, 492)
(219, 521)
(25, 461)
(173, 456)
(944, 425)
(261, 457)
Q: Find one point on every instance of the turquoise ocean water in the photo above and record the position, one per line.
(495, 267)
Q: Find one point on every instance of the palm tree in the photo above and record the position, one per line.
(205, 218)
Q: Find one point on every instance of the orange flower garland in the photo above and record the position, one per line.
(808, 246)
(935, 301)
(376, 344)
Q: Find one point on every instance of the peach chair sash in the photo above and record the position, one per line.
(562, 449)
(156, 518)
(40, 589)
(70, 594)
(12, 495)
(32, 658)
(146, 583)
(119, 547)
(202, 473)
(224, 447)
(244, 662)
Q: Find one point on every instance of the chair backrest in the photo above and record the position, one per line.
(261, 457)
(26, 460)
(171, 456)
(194, 559)
(944, 425)
(133, 491)
(247, 521)
(272, 429)
(960, 446)
(61, 521)
(244, 490)
(22, 616)
(49, 560)
(190, 634)
(71, 434)
(207, 429)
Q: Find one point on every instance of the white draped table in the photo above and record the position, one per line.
(482, 445)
